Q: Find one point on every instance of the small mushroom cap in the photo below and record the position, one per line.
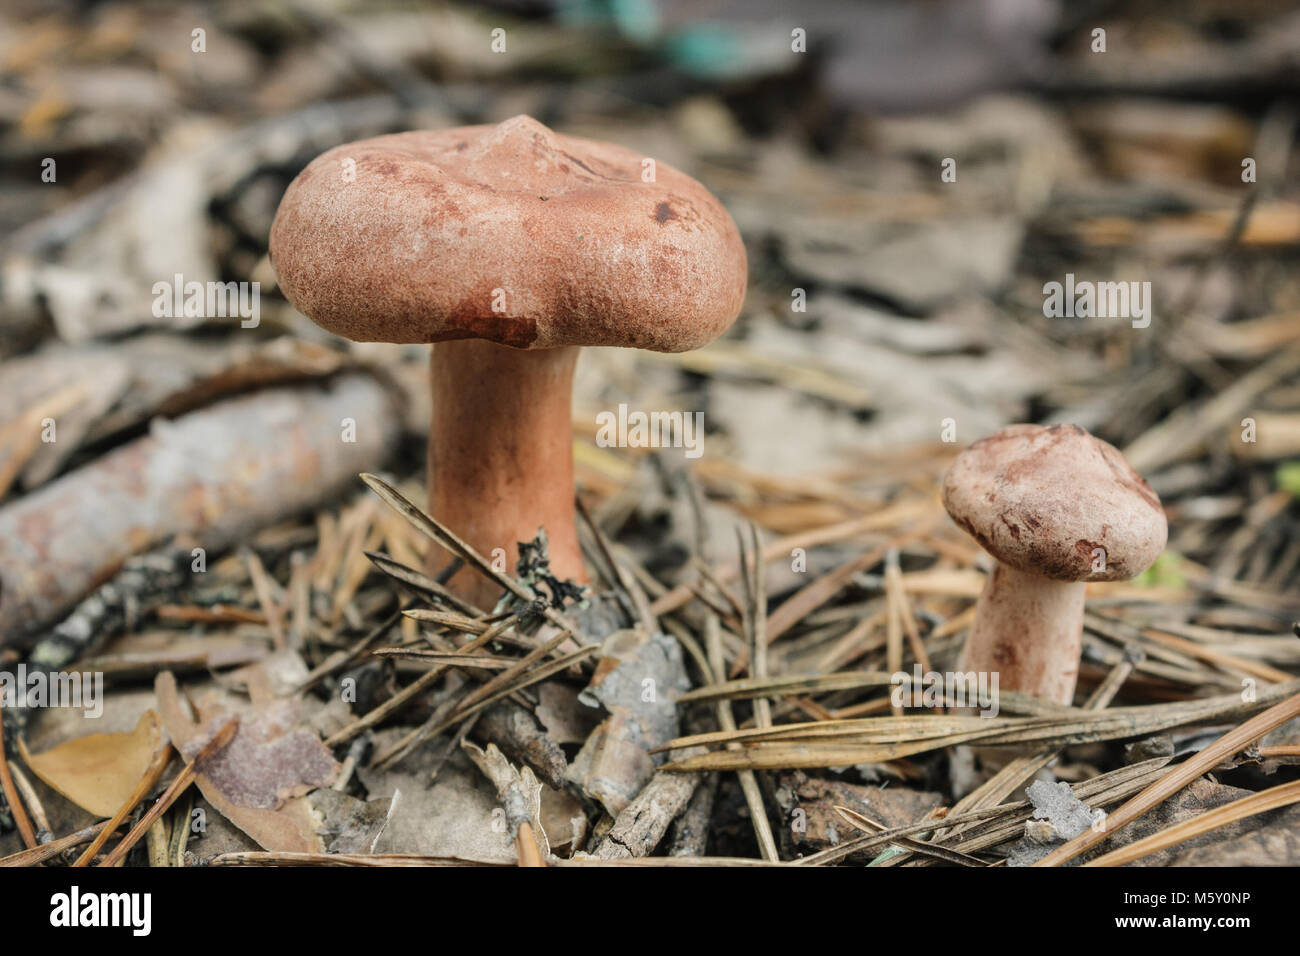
(510, 233)
(1044, 499)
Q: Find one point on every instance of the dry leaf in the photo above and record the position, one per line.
(260, 781)
(100, 771)
(452, 818)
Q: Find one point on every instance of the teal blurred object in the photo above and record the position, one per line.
(886, 54)
(638, 20)
(711, 51)
(707, 49)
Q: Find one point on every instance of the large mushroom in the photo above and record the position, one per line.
(507, 247)
(1057, 508)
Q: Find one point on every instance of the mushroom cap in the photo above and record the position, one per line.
(1042, 499)
(510, 233)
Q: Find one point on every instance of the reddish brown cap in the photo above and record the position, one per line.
(1044, 499)
(415, 237)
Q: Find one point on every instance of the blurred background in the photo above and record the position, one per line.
(140, 140)
(907, 177)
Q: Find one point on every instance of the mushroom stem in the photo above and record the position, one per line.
(1029, 630)
(501, 455)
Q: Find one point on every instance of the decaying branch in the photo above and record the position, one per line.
(208, 475)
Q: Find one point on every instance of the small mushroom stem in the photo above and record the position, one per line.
(1029, 630)
(501, 455)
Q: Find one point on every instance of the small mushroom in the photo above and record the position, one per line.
(1057, 508)
(507, 247)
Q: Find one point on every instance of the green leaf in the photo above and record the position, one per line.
(1167, 572)
(1287, 477)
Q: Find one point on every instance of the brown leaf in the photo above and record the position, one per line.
(100, 771)
(260, 781)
